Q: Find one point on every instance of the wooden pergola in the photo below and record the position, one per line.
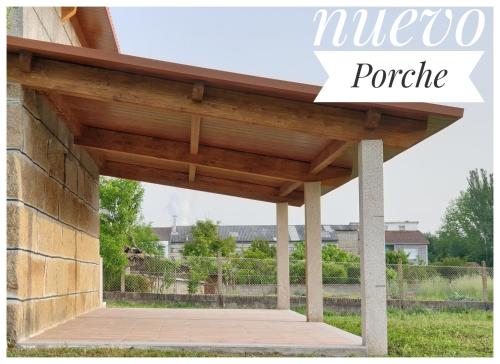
(237, 135)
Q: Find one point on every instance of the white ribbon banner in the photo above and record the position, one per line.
(399, 76)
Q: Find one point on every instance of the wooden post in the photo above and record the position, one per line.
(485, 284)
(401, 283)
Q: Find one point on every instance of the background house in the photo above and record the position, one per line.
(400, 235)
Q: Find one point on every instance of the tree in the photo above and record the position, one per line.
(260, 249)
(122, 223)
(207, 242)
(467, 229)
(329, 253)
(394, 257)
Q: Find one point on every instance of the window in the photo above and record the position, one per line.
(402, 228)
(412, 253)
(389, 247)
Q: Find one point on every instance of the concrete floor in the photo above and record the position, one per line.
(220, 330)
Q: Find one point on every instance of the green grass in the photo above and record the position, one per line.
(451, 333)
(102, 353)
(417, 333)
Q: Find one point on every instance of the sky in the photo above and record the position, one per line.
(278, 43)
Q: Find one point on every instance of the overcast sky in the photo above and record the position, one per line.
(278, 43)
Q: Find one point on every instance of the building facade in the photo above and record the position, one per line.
(403, 236)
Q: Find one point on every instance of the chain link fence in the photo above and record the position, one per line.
(258, 277)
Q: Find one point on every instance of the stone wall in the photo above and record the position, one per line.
(53, 262)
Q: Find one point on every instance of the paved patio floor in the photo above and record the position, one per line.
(220, 330)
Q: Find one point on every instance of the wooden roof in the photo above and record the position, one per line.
(211, 130)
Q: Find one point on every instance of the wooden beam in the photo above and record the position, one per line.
(195, 134)
(198, 91)
(25, 60)
(328, 155)
(202, 183)
(233, 106)
(192, 172)
(195, 143)
(372, 120)
(243, 162)
(289, 187)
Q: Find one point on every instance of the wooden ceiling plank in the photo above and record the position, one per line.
(243, 162)
(202, 183)
(122, 87)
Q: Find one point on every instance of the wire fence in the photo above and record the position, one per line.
(258, 277)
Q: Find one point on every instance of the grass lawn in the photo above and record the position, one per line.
(458, 333)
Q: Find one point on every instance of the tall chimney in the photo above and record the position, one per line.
(174, 224)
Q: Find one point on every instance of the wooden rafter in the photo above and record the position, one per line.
(212, 157)
(117, 86)
(202, 183)
(288, 187)
(326, 157)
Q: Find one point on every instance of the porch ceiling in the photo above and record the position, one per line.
(210, 130)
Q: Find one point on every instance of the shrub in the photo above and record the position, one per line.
(137, 283)
(334, 273)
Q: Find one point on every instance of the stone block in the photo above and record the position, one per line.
(87, 248)
(54, 193)
(88, 219)
(81, 181)
(14, 318)
(86, 302)
(69, 208)
(22, 226)
(14, 91)
(36, 140)
(89, 164)
(14, 125)
(71, 173)
(91, 191)
(59, 277)
(25, 274)
(67, 248)
(56, 156)
(63, 133)
(29, 183)
(87, 277)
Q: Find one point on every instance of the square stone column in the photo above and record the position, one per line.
(372, 247)
(314, 277)
(282, 256)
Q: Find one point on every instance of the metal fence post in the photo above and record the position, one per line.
(122, 281)
(220, 297)
(485, 284)
(401, 282)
